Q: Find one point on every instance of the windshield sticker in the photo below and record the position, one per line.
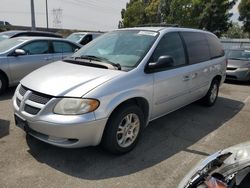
(150, 33)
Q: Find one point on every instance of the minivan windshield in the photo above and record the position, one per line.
(75, 37)
(238, 54)
(5, 45)
(123, 47)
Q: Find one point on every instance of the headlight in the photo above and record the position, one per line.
(75, 106)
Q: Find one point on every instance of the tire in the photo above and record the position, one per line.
(3, 83)
(212, 94)
(120, 136)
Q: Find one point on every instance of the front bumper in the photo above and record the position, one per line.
(241, 74)
(61, 130)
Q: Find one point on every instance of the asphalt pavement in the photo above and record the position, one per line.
(168, 149)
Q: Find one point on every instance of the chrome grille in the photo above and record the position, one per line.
(22, 90)
(33, 101)
(39, 98)
(31, 110)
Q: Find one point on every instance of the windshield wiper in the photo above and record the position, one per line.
(101, 59)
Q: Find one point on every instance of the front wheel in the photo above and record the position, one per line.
(3, 83)
(123, 129)
(212, 94)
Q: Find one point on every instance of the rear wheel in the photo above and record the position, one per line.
(212, 94)
(3, 83)
(123, 129)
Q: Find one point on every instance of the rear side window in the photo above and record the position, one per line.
(170, 45)
(197, 47)
(62, 47)
(215, 46)
(36, 47)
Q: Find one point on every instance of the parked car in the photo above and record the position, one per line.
(238, 67)
(20, 56)
(4, 23)
(16, 33)
(110, 89)
(83, 38)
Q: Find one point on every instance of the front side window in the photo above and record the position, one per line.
(86, 39)
(126, 47)
(197, 47)
(36, 47)
(215, 46)
(170, 45)
(75, 37)
(62, 47)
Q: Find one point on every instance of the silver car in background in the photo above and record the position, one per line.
(110, 89)
(20, 56)
(238, 67)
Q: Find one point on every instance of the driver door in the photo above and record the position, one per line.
(171, 86)
(37, 54)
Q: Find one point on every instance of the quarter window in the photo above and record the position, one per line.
(62, 47)
(170, 45)
(215, 46)
(36, 47)
(197, 47)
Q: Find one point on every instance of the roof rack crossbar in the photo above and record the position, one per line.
(158, 25)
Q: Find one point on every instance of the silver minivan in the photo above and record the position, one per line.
(110, 89)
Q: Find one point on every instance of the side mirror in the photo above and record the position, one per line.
(162, 63)
(18, 52)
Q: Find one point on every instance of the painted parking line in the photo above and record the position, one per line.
(247, 99)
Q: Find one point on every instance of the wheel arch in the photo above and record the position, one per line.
(217, 77)
(5, 75)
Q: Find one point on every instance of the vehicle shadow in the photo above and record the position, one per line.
(162, 139)
(4, 128)
(235, 82)
(8, 94)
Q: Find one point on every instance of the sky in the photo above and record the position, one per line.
(102, 15)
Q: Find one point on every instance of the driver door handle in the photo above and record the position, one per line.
(48, 58)
(186, 78)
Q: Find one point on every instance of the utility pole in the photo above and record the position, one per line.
(33, 22)
(47, 16)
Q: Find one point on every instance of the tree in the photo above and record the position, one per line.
(216, 16)
(212, 15)
(244, 10)
(180, 12)
(134, 14)
(152, 11)
(235, 31)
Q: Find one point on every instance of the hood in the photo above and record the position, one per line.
(238, 63)
(66, 79)
(225, 162)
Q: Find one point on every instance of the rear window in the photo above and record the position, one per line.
(197, 47)
(216, 49)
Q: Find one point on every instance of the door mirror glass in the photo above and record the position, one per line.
(19, 52)
(162, 63)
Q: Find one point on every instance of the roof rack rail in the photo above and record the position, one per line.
(158, 25)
